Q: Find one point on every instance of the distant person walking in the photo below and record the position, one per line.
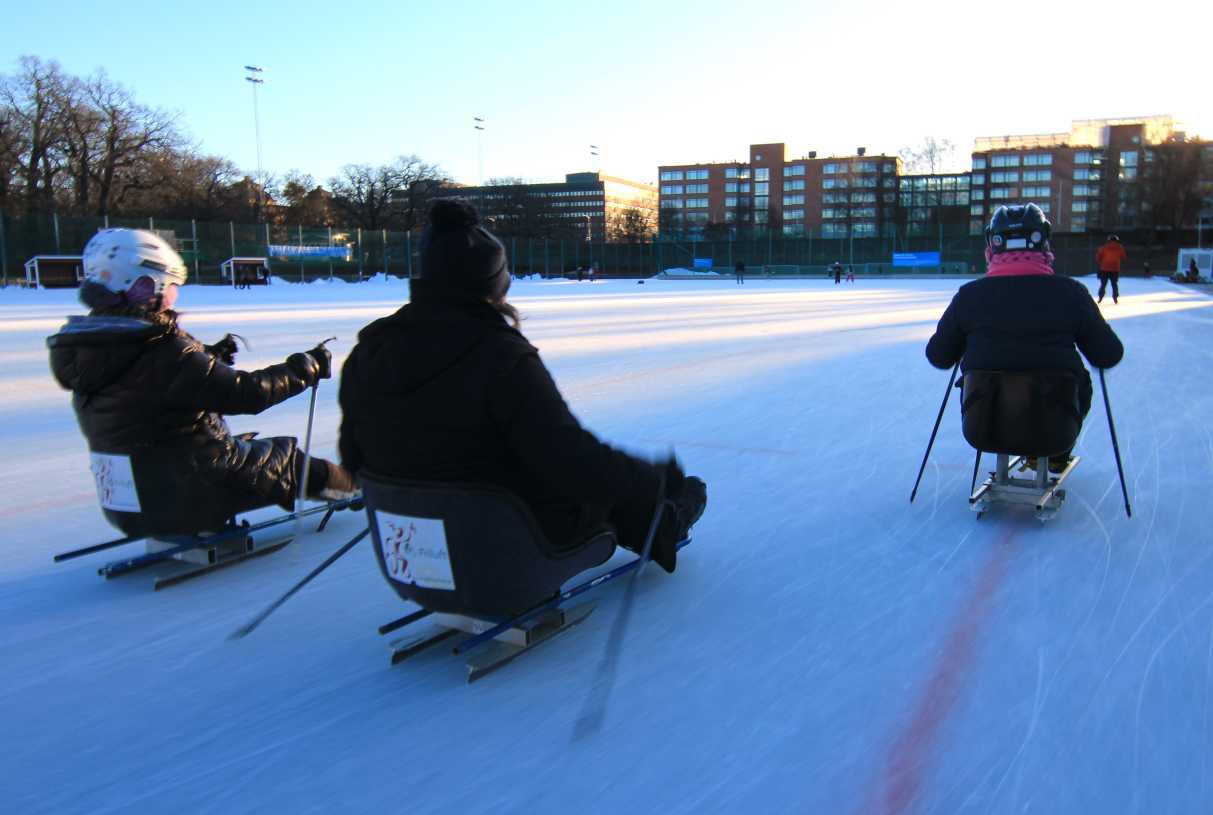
(850, 274)
(837, 269)
(1109, 257)
(739, 269)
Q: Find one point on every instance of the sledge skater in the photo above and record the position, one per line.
(1017, 334)
(150, 400)
(481, 406)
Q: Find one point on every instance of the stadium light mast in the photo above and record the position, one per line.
(478, 124)
(594, 157)
(254, 76)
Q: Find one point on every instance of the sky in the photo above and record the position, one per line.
(650, 83)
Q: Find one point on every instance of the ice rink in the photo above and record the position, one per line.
(824, 646)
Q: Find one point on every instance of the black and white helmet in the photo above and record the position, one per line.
(116, 258)
(1018, 228)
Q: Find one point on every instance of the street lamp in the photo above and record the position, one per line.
(478, 124)
(255, 78)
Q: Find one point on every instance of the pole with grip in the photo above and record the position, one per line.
(938, 419)
(307, 439)
(1103, 386)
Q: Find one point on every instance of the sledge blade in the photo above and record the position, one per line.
(411, 645)
(190, 574)
(497, 654)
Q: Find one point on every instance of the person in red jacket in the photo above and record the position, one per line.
(1109, 257)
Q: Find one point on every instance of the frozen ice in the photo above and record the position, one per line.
(825, 646)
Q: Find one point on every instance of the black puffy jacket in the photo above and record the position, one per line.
(139, 382)
(446, 390)
(1023, 323)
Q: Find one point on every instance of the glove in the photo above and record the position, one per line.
(324, 361)
(224, 350)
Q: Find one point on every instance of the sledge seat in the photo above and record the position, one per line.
(171, 500)
(1020, 413)
(473, 550)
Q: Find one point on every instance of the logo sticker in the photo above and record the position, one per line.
(415, 551)
(115, 482)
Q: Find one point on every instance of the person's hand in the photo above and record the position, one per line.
(324, 361)
(224, 350)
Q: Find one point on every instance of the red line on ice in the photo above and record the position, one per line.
(910, 754)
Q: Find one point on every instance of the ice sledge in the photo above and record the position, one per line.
(474, 559)
(178, 521)
(1019, 415)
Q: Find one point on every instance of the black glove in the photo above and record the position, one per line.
(224, 350)
(324, 361)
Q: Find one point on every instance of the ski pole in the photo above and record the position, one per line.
(1103, 386)
(946, 395)
(594, 708)
(307, 439)
(247, 628)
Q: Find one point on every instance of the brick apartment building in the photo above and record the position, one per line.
(834, 197)
(1089, 178)
(589, 205)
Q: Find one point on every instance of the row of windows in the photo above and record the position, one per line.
(702, 174)
(1085, 174)
(793, 214)
(790, 200)
(935, 182)
(857, 167)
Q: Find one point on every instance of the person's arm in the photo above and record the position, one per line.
(560, 454)
(1096, 339)
(347, 443)
(201, 382)
(947, 344)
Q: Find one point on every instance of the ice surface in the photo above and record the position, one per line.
(823, 647)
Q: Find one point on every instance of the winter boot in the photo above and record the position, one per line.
(683, 508)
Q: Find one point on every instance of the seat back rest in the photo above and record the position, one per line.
(469, 549)
(1029, 413)
(150, 491)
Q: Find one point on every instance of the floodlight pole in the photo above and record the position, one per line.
(594, 157)
(256, 80)
(478, 124)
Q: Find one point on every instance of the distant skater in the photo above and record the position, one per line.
(739, 269)
(837, 269)
(850, 275)
(1109, 257)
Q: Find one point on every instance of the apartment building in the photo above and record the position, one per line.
(838, 196)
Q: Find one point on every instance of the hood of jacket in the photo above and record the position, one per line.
(90, 352)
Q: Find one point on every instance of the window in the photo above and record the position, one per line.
(1004, 160)
(890, 167)
(831, 169)
(1003, 192)
(834, 230)
(866, 181)
(671, 189)
(833, 198)
(830, 212)
(962, 198)
(865, 229)
(863, 167)
(1004, 177)
(744, 186)
(697, 203)
(1035, 192)
(907, 199)
(671, 175)
(697, 175)
(1078, 206)
(1038, 159)
(671, 203)
(696, 188)
(697, 217)
(730, 186)
(1083, 189)
(793, 169)
(730, 201)
(920, 183)
(790, 200)
(976, 209)
(979, 179)
(1128, 158)
(1037, 175)
(762, 188)
(948, 199)
(1044, 207)
(1078, 224)
(863, 212)
(1128, 173)
(1083, 157)
(793, 229)
(793, 185)
(736, 172)
(889, 181)
(979, 163)
(890, 198)
(762, 174)
(793, 214)
(760, 217)
(1085, 174)
(863, 198)
(760, 201)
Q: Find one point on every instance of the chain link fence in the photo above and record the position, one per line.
(300, 254)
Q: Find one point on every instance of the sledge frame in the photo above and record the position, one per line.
(1043, 491)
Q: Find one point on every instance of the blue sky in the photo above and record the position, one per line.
(650, 82)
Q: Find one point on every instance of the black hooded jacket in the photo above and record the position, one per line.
(446, 390)
(139, 382)
(1023, 323)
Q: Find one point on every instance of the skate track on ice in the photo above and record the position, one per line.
(824, 647)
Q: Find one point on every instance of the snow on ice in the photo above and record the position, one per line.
(823, 647)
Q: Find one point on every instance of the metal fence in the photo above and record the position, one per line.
(206, 244)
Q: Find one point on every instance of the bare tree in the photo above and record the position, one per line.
(30, 98)
(378, 197)
(1169, 188)
(631, 225)
(931, 156)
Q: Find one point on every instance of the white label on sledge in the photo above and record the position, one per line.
(414, 551)
(115, 482)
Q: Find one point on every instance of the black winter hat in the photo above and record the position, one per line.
(459, 255)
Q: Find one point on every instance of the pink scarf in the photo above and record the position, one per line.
(1019, 264)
